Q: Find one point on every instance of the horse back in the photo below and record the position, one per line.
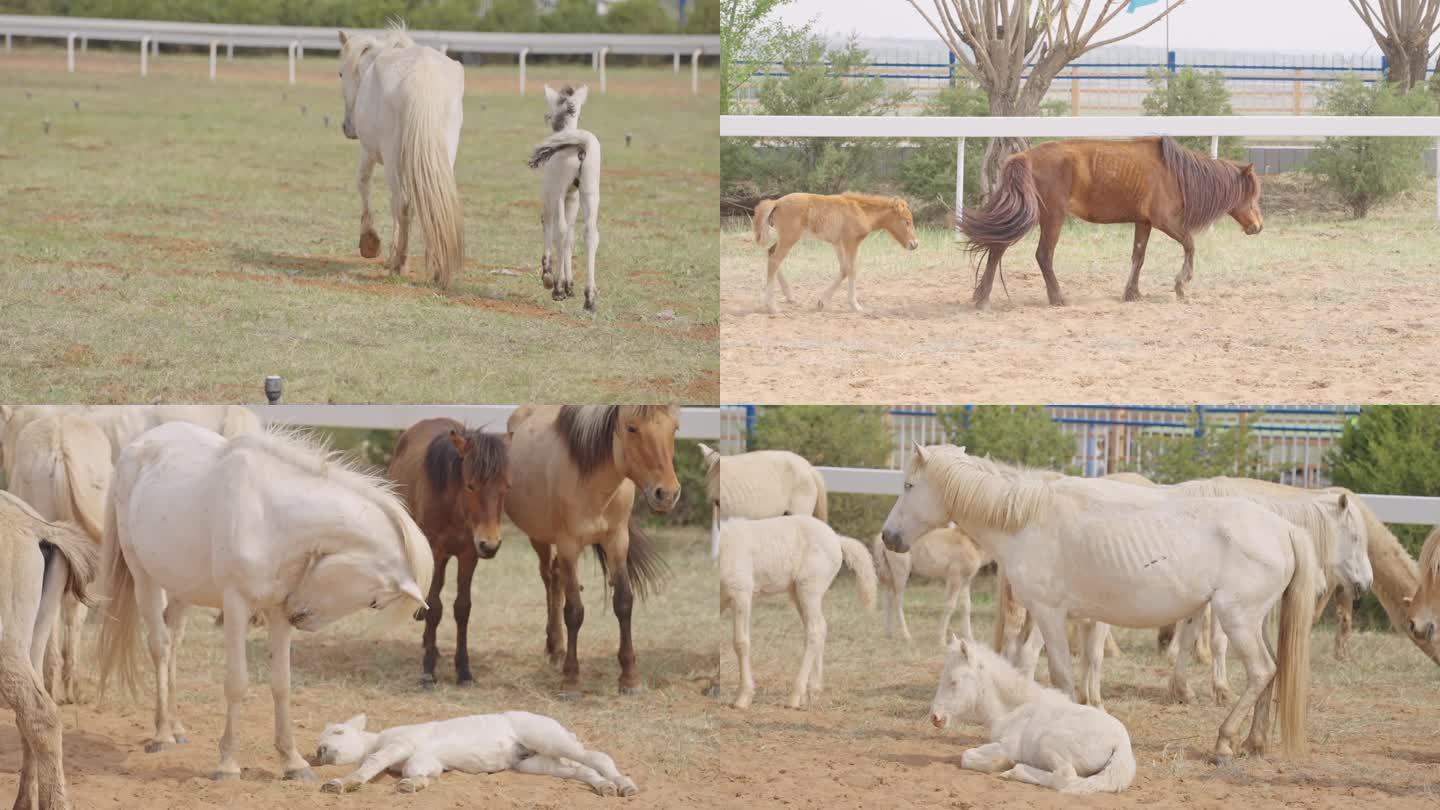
(1104, 181)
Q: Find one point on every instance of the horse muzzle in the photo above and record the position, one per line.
(324, 755)
(939, 720)
(661, 499)
(349, 129)
(913, 245)
(487, 549)
(1253, 230)
(894, 542)
(1422, 631)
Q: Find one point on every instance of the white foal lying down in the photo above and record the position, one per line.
(947, 554)
(480, 743)
(1038, 735)
(794, 554)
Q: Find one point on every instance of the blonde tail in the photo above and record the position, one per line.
(428, 181)
(1292, 673)
(762, 220)
(117, 649)
(822, 507)
(76, 488)
(857, 559)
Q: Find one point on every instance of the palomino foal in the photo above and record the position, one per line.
(843, 220)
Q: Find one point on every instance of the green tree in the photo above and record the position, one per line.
(751, 36)
(1391, 450)
(702, 17)
(1021, 434)
(511, 15)
(833, 436)
(639, 17)
(1193, 92)
(1204, 451)
(572, 17)
(1364, 172)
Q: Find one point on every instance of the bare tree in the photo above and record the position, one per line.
(1403, 30)
(993, 40)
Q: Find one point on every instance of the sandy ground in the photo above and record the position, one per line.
(1309, 311)
(866, 744)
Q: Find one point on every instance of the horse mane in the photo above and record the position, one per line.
(1429, 561)
(995, 495)
(1209, 187)
(485, 452)
(871, 200)
(589, 430)
(396, 34)
(308, 453)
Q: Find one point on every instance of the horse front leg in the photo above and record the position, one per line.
(236, 678)
(296, 767)
(1187, 269)
(1051, 623)
(554, 602)
(463, 579)
(569, 582)
(841, 259)
(1137, 260)
(624, 601)
(1344, 621)
(369, 239)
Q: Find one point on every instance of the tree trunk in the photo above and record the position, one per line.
(1407, 65)
(996, 152)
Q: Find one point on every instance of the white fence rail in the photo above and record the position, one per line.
(296, 39)
(695, 423)
(1116, 126)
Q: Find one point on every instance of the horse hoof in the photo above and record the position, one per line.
(1132, 295)
(629, 789)
(570, 694)
(465, 680)
(156, 746)
(427, 681)
(629, 691)
(420, 614)
(606, 789)
(333, 786)
(227, 776)
(369, 244)
(1223, 760)
(300, 775)
(712, 691)
(557, 294)
(181, 739)
(589, 302)
(406, 786)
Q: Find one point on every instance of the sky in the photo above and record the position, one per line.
(1306, 26)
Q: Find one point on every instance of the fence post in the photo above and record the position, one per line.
(676, 68)
(291, 52)
(695, 72)
(229, 52)
(70, 53)
(213, 46)
(601, 58)
(1297, 104)
(7, 42)
(144, 56)
(524, 52)
(300, 51)
(154, 47)
(959, 184)
(84, 44)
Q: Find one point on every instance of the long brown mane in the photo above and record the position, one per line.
(486, 459)
(1209, 187)
(589, 430)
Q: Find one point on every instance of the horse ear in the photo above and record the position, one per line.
(954, 642)
(458, 439)
(581, 93)
(357, 722)
(921, 454)
(1344, 502)
(344, 37)
(550, 95)
(1248, 169)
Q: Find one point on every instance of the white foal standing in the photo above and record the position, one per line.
(1038, 736)
(947, 554)
(794, 554)
(480, 743)
(570, 181)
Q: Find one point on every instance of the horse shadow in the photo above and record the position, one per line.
(307, 266)
(90, 751)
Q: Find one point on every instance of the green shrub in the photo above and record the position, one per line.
(1193, 92)
(1391, 450)
(838, 437)
(639, 17)
(1022, 434)
(1203, 452)
(1364, 172)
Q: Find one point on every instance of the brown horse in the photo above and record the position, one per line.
(843, 220)
(455, 482)
(1152, 182)
(576, 471)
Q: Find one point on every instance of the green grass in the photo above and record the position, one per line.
(176, 239)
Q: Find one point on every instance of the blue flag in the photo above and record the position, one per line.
(1134, 4)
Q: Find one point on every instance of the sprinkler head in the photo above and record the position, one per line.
(272, 389)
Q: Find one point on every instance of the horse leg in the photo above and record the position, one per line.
(150, 600)
(372, 766)
(175, 622)
(900, 578)
(1180, 687)
(956, 588)
(623, 602)
(574, 617)
(1246, 631)
(541, 765)
(1052, 218)
(236, 678)
(777, 254)
(550, 740)
(74, 613)
(572, 205)
(434, 610)
(740, 612)
(400, 212)
(296, 766)
(54, 684)
(468, 560)
(555, 239)
(988, 758)
(813, 618)
(981, 296)
(369, 239)
(554, 602)
(418, 771)
(1094, 660)
(1344, 621)
(842, 257)
(1219, 678)
(37, 718)
(851, 273)
(1137, 259)
(1057, 648)
(1187, 268)
(592, 244)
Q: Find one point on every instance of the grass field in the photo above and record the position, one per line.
(867, 743)
(175, 239)
(1317, 308)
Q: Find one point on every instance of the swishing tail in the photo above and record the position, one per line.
(822, 507)
(1292, 673)
(569, 139)
(857, 559)
(762, 223)
(1117, 774)
(428, 181)
(81, 555)
(1010, 213)
(117, 647)
(643, 564)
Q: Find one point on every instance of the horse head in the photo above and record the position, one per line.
(485, 481)
(901, 224)
(1247, 212)
(645, 439)
(564, 106)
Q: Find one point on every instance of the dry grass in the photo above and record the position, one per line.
(867, 744)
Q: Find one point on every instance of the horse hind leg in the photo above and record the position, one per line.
(38, 720)
(1137, 260)
(151, 603)
(1246, 632)
(557, 748)
(1052, 218)
(400, 212)
(567, 250)
(175, 623)
(418, 771)
(775, 255)
(592, 244)
(369, 239)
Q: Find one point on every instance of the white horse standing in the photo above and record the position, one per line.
(480, 743)
(266, 523)
(570, 181)
(761, 484)
(947, 554)
(1038, 735)
(798, 555)
(405, 104)
(1095, 554)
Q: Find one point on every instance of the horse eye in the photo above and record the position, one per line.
(374, 604)
(908, 485)
(632, 429)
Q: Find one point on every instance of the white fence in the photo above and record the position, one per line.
(296, 39)
(1118, 126)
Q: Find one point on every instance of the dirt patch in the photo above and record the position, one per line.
(75, 355)
(702, 389)
(167, 244)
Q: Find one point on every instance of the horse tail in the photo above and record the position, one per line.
(1117, 774)
(81, 554)
(822, 507)
(1010, 212)
(857, 559)
(763, 209)
(577, 139)
(644, 566)
(117, 647)
(428, 180)
(1292, 673)
(77, 487)
(882, 562)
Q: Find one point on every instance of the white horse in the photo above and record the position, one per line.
(404, 103)
(947, 554)
(63, 471)
(1109, 556)
(570, 181)
(1038, 736)
(480, 743)
(39, 562)
(266, 523)
(798, 555)
(762, 484)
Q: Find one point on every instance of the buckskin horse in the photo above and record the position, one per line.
(1152, 182)
(454, 481)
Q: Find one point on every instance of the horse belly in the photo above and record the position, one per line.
(1114, 189)
(477, 744)
(1125, 579)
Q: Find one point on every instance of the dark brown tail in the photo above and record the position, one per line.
(1010, 214)
(646, 568)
